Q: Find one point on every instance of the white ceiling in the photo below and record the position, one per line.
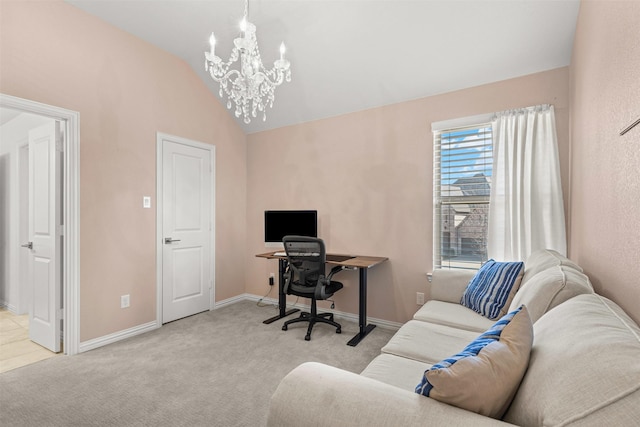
(350, 55)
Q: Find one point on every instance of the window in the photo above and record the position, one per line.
(463, 163)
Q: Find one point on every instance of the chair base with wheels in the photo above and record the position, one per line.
(313, 317)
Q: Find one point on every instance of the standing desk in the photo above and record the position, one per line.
(362, 263)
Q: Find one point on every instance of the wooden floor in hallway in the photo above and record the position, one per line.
(16, 349)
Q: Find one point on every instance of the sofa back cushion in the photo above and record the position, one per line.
(584, 368)
(543, 259)
(448, 285)
(550, 288)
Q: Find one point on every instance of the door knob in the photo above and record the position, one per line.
(28, 245)
(169, 240)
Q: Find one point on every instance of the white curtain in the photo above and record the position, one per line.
(526, 211)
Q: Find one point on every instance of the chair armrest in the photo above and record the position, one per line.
(449, 285)
(334, 270)
(314, 394)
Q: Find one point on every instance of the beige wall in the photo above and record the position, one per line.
(125, 90)
(369, 174)
(605, 188)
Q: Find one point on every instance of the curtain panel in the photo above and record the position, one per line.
(526, 210)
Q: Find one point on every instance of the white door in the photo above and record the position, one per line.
(44, 236)
(187, 219)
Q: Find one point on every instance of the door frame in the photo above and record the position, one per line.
(24, 297)
(160, 137)
(71, 211)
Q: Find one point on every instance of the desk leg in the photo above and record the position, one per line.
(364, 328)
(282, 297)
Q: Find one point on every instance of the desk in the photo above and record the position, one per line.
(362, 263)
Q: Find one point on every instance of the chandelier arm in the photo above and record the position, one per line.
(224, 77)
(277, 80)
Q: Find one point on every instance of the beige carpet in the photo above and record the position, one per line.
(218, 368)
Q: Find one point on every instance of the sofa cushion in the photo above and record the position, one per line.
(395, 370)
(584, 367)
(549, 288)
(545, 258)
(449, 284)
(484, 377)
(428, 342)
(493, 287)
(454, 315)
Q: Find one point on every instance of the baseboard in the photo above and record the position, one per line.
(147, 327)
(12, 308)
(118, 336)
(141, 329)
(229, 301)
(381, 323)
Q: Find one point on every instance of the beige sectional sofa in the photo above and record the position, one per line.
(584, 365)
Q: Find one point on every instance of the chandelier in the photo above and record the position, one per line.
(251, 87)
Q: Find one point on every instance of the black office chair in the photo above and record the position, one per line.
(305, 277)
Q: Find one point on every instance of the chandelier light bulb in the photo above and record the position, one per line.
(212, 42)
(243, 24)
(283, 49)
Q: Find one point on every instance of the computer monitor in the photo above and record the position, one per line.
(278, 224)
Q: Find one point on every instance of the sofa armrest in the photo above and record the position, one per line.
(449, 285)
(314, 394)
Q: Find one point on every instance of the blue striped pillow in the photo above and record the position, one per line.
(489, 290)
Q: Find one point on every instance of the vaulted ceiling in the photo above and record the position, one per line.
(351, 55)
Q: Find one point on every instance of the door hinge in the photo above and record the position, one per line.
(59, 145)
(61, 313)
(60, 230)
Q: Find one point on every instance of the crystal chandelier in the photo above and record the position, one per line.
(251, 87)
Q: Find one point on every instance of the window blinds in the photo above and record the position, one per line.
(463, 161)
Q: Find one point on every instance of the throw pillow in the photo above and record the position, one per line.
(485, 376)
(493, 287)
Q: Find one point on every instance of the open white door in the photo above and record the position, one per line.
(187, 219)
(44, 236)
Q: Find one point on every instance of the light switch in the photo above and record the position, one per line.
(146, 202)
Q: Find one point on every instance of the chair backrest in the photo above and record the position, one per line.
(307, 258)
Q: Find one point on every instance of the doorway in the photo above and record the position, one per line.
(62, 306)
(185, 227)
(16, 349)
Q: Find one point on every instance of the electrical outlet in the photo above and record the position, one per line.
(125, 301)
(420, 298)
(271, 279)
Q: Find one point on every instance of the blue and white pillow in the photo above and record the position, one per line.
(485, 375)
(472, 349)
(493, 287)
